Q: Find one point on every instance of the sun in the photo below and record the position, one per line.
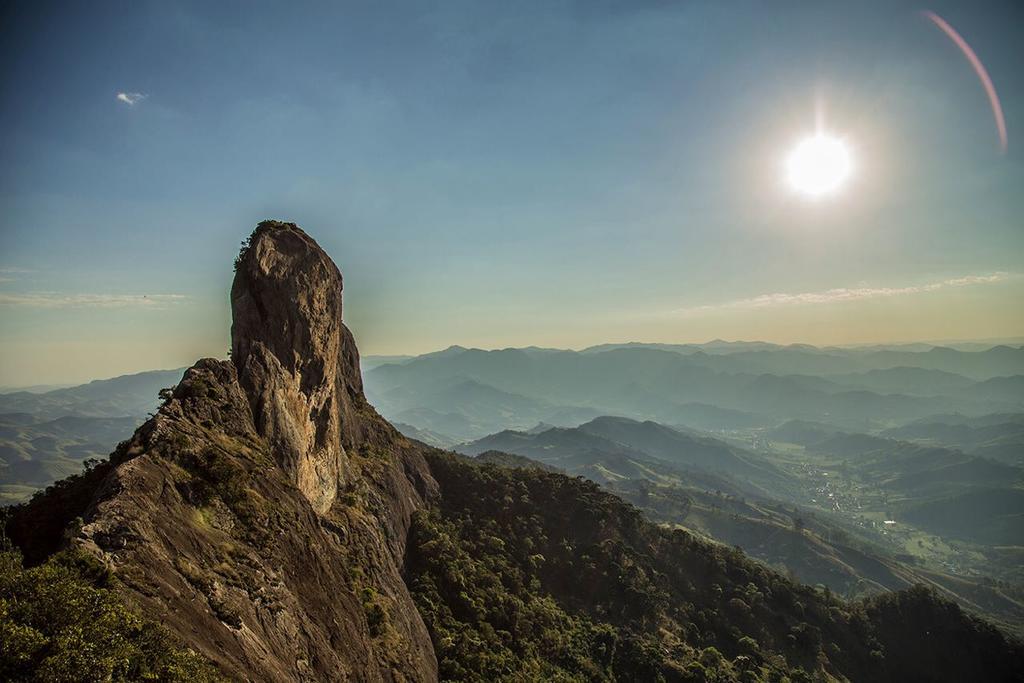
(818, 166)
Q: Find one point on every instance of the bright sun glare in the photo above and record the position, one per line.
(818, 166)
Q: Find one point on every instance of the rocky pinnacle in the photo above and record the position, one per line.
(296, 360)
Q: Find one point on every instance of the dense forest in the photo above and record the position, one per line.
(524, 574)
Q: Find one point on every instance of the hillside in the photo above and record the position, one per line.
(687, 450)
(48, 435)
(276, 525)
(531, 572)
(999, 436)
(990, 514)
(128, 395)
(511, 460)
(612, 448)
(34, 454)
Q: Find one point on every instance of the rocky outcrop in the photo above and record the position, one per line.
(296, 359)
(263, 511)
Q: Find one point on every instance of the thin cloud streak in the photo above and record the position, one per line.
(6, 274)
(844, 294)
(56, 300)
(131, 98)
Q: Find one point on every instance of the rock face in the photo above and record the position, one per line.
(263, 511)
(296, 359)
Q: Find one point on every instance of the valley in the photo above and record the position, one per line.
(827, 520)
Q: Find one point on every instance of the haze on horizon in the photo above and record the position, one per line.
(553, 174)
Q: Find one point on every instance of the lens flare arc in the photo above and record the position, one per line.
(979, 69)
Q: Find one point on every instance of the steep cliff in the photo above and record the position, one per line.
(262, 513)
(296, 360)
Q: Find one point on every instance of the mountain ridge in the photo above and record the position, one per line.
(280, 527)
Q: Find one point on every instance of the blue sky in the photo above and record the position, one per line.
(503, 174)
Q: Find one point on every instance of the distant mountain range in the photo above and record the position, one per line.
(127, 395)
(460, 394)
(47, 436)
(463, 394)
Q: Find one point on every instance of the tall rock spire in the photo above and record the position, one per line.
(296, 360)
(265, 507)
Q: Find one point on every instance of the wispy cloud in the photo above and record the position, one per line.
(845, 294)
(131, 98)
(8, 274)
(57, 300)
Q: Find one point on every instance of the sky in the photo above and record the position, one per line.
(504, 174)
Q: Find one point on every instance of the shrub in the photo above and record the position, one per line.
(61, 621)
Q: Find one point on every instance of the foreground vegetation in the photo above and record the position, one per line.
(523, 575)
(62, 621)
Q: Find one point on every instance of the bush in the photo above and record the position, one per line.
(61, 621)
